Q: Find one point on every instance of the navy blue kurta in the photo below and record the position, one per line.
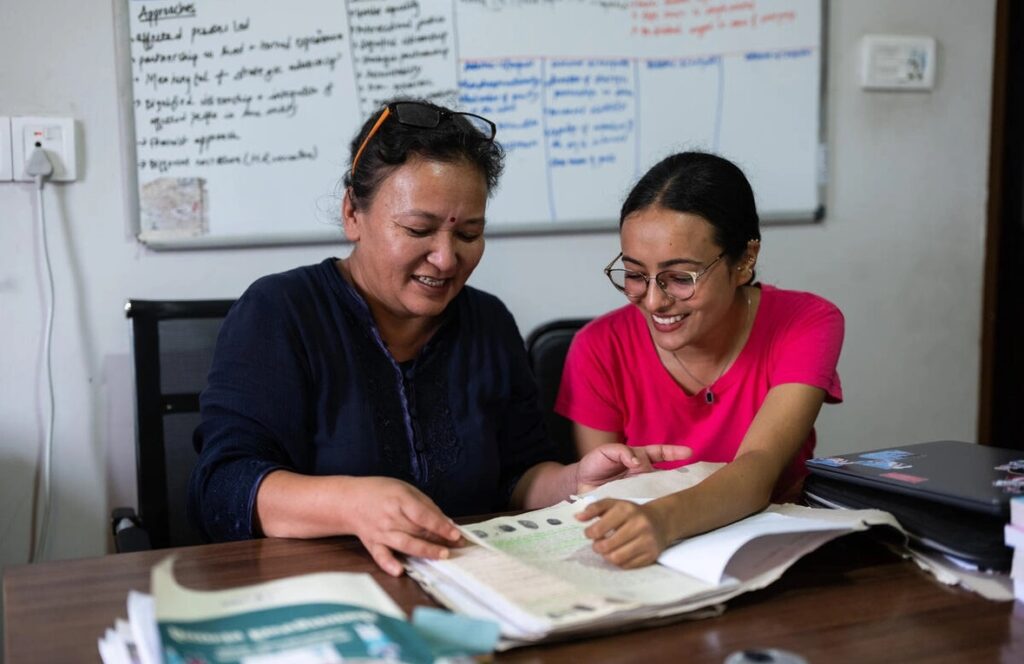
(302, 381)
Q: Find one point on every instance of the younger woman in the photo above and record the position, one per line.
(702, 357)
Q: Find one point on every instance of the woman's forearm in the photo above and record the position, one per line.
(302, 506)
(543, 485)
(736, 491)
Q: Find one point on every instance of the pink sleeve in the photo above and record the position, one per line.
(588, 393)
(807, 351)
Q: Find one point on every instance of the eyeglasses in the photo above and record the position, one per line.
(415, 114)
(677, 284)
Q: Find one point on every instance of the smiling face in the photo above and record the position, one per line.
(418, 240)
(656, 239)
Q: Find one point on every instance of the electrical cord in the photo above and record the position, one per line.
(40, 167)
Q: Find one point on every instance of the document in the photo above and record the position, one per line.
(551, 540)
(300, 618)
(538, 577)
(312, 618)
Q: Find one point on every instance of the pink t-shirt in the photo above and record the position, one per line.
(615, 381)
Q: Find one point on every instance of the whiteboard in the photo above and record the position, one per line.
(238, 115)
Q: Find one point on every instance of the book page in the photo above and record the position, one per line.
(529, 598)
(656, 484)
(552, 540)
(707, 556)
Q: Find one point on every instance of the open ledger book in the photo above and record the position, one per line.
(536, 575)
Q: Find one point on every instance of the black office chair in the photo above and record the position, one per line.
(547, 347)
(172, 345)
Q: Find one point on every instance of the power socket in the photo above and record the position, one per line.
(897, 62)
(54, 135)
(6, 170)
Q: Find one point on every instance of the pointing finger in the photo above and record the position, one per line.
(595, 509)
(659, 453)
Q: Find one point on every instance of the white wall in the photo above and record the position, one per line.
(901, 252)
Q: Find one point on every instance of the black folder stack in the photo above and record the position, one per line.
(950, 496)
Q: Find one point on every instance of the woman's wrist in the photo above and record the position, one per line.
(575, 487)
(670, 515)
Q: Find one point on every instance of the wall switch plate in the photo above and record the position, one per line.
(54, 135)
(897, 62)
(6, 170)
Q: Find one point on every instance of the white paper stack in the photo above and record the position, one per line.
(1014, 534)
(322, 618)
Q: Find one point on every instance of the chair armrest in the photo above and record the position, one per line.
(129, 535)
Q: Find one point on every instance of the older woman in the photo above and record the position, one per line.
(701, 357)
(373, 395)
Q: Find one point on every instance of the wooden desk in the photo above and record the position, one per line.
(851, 601)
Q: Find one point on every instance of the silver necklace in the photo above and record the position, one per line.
(709, 395)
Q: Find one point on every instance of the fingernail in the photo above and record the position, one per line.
(444, 554)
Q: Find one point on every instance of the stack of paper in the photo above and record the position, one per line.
(537, 576)
(313, 618)
(1014, 534)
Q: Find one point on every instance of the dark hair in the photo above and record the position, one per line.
(706, 185)
(453, 140)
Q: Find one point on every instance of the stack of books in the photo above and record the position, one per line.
(1014, 533)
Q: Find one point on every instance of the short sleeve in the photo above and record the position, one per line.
(588, 390)
(807, 349)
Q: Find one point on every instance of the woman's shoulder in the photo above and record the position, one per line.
(483, 315)
(781, 301)
(484, 309)
(793, 310)
(615, 321)
(481, 300)
(295, 293)
(612, 328)
(296, 281)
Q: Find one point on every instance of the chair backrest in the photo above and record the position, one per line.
(172, 346)
(547, 347)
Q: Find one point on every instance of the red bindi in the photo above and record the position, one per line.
(451, 220)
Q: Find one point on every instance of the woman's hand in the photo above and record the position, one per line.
(390, 516)
(626, 534)
(387, 515)
(613, 461)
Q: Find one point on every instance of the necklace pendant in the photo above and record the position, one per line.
(709, 396)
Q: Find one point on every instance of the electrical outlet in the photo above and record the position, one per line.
(6, 171)
(54, 135)
(897, 62)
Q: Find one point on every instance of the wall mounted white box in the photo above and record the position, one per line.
(55, 135)
(897, 62)
(6, 171)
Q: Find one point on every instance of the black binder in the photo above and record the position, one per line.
(950, 496)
